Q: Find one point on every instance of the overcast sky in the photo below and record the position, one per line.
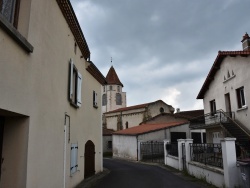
(162, 49)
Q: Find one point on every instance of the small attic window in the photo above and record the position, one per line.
(75, 47)
(162, 110)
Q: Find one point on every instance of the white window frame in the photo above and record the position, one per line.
(73, 158)
(75, 88)
(241, 99)
(95, 104)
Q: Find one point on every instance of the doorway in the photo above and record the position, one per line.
(89, 160)
(228, 104)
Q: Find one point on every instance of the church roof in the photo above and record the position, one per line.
(112, 77)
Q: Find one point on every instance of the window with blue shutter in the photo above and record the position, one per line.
(73, 158)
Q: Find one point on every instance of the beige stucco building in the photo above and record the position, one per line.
(124, 118)
(226, 94)
(50, 97)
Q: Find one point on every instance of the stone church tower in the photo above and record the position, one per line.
(112, 95)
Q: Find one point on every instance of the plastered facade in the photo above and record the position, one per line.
(34, 102)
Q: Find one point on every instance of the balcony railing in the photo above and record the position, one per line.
(212, 119)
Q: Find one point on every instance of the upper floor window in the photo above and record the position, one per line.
(103, 88)
(95, 99)
(104, 100)
(118, 99)
(240, 97)
(118, 88)
(10, 9)
(75, 83)
(213, 107)
(110, 88)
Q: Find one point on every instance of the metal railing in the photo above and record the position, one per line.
(152, 151)
(172, 149)
(212, 118)
(208, 154)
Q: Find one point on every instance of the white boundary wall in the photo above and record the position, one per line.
(228, 177)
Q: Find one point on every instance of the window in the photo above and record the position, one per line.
(10, 9)
(73, 158)
(103, 88)
(95, 99)
(110, 88)
(109, 145)
(118, 99)
(240, 97)
(104, 100)
(118, 88)
(162, 110)
(126, 125)
(75, 83)
(213, 107)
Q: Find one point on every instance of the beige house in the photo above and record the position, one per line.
(124, 118)
(50, 97)
(226, 94)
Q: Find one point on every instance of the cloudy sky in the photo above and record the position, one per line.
(162, 49)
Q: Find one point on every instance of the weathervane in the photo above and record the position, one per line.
(111, 62)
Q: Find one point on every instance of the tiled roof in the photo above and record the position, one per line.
(74, 26)
(94, 71)
(146, 128)
(129, 108)
(107, 132)
(134, 107)
(216, 66)
(112, 77)
(190, 114)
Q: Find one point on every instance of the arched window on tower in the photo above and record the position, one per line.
(104, 100)
(118, 99)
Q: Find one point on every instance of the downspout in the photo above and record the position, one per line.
(65, 147)
(137, 147)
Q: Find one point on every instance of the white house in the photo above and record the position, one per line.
(125, 142)
(226, 94)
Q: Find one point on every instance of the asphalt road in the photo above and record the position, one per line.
(125, 174)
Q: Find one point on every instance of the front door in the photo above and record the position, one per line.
(1, 141)
(89, 165)
(228, 104)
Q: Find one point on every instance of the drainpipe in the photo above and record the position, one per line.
(137, 147)
(65, 147)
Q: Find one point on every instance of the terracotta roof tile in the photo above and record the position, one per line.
(107, 132)
(146, 128)
(94, 71)
(219, 59)
(112, 77)
(74, 26)
(190, 114)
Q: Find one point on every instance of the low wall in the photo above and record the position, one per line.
(172, 161)
(212, 175)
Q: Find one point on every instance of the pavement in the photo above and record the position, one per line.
(93, 181)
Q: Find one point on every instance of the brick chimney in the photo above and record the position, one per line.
(246, 42)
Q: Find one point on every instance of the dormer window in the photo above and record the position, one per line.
(10, 9)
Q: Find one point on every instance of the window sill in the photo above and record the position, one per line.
(242, 108)
(95, 106)
(229, 79)
(74, 105)
(15, 35)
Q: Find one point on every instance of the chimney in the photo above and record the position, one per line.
(246, 42)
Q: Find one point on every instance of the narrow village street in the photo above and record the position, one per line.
(125, 174)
